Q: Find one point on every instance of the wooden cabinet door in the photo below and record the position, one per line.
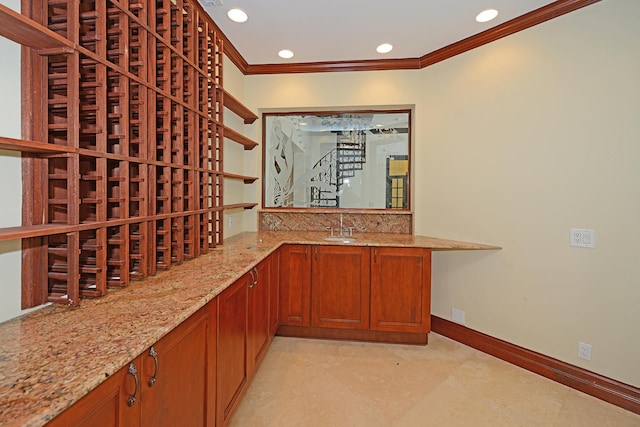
(174, 376)
(232, 348)
(258, 321)
(295, 285)
(401, 289)
(274, 294)
(108, 404)
(340, 287)
(212, 363)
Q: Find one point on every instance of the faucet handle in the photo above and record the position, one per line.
(330, 230)
(350, 231)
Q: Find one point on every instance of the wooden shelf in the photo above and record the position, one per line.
(240, 206)
(33, 146)
(246, 179)
(30, 231)
(237, 107)
(26, 32)
(239, 138)
(25, 232)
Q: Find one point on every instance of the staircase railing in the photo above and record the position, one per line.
(342, 162)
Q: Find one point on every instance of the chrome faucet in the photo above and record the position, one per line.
(343, 231)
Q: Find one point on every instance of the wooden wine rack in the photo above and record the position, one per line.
(127, 99)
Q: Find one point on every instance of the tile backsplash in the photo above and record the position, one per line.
(400, 222)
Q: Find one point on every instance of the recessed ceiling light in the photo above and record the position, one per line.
(285, 53)
(384, 48)
(486, 15)
(237, 15)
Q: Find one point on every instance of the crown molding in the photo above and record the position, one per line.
(324, 67)
(531, 19)
(232, 53)
(227, 47)
(505, 29)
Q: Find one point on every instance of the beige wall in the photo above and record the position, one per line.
(525, 139)
(240, 161)
(235, 156)
(517, 142)
(10, 178)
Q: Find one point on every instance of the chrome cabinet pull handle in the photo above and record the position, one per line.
(133, 371)
(252, 281)
(153, 353)
(257, 276)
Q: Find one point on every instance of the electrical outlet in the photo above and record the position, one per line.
(230, 222)
(582, 238)
(584, 351)
(457, 316)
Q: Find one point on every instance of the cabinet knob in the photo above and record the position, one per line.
(133, 371)
(154, 354)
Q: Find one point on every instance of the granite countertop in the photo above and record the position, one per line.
(52, 357)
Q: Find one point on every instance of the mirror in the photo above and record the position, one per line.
(351, 160)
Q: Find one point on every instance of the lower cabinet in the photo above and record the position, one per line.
(174, 377)
(196, 374)
(170, 384)
(274, 293)
(295, 285)
(340, 287)
(345, 291)
(401, 290)
(232, 347)
(244, 333)
(115, 402)
(259, 325)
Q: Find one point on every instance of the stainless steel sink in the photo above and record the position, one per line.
(341, 239)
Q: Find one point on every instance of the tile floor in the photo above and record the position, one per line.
(309, 383)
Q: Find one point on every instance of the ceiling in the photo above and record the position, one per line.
(350, 30)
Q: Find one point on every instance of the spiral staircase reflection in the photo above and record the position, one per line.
(342, 162)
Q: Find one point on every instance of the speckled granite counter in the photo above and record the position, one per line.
(52, 357)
